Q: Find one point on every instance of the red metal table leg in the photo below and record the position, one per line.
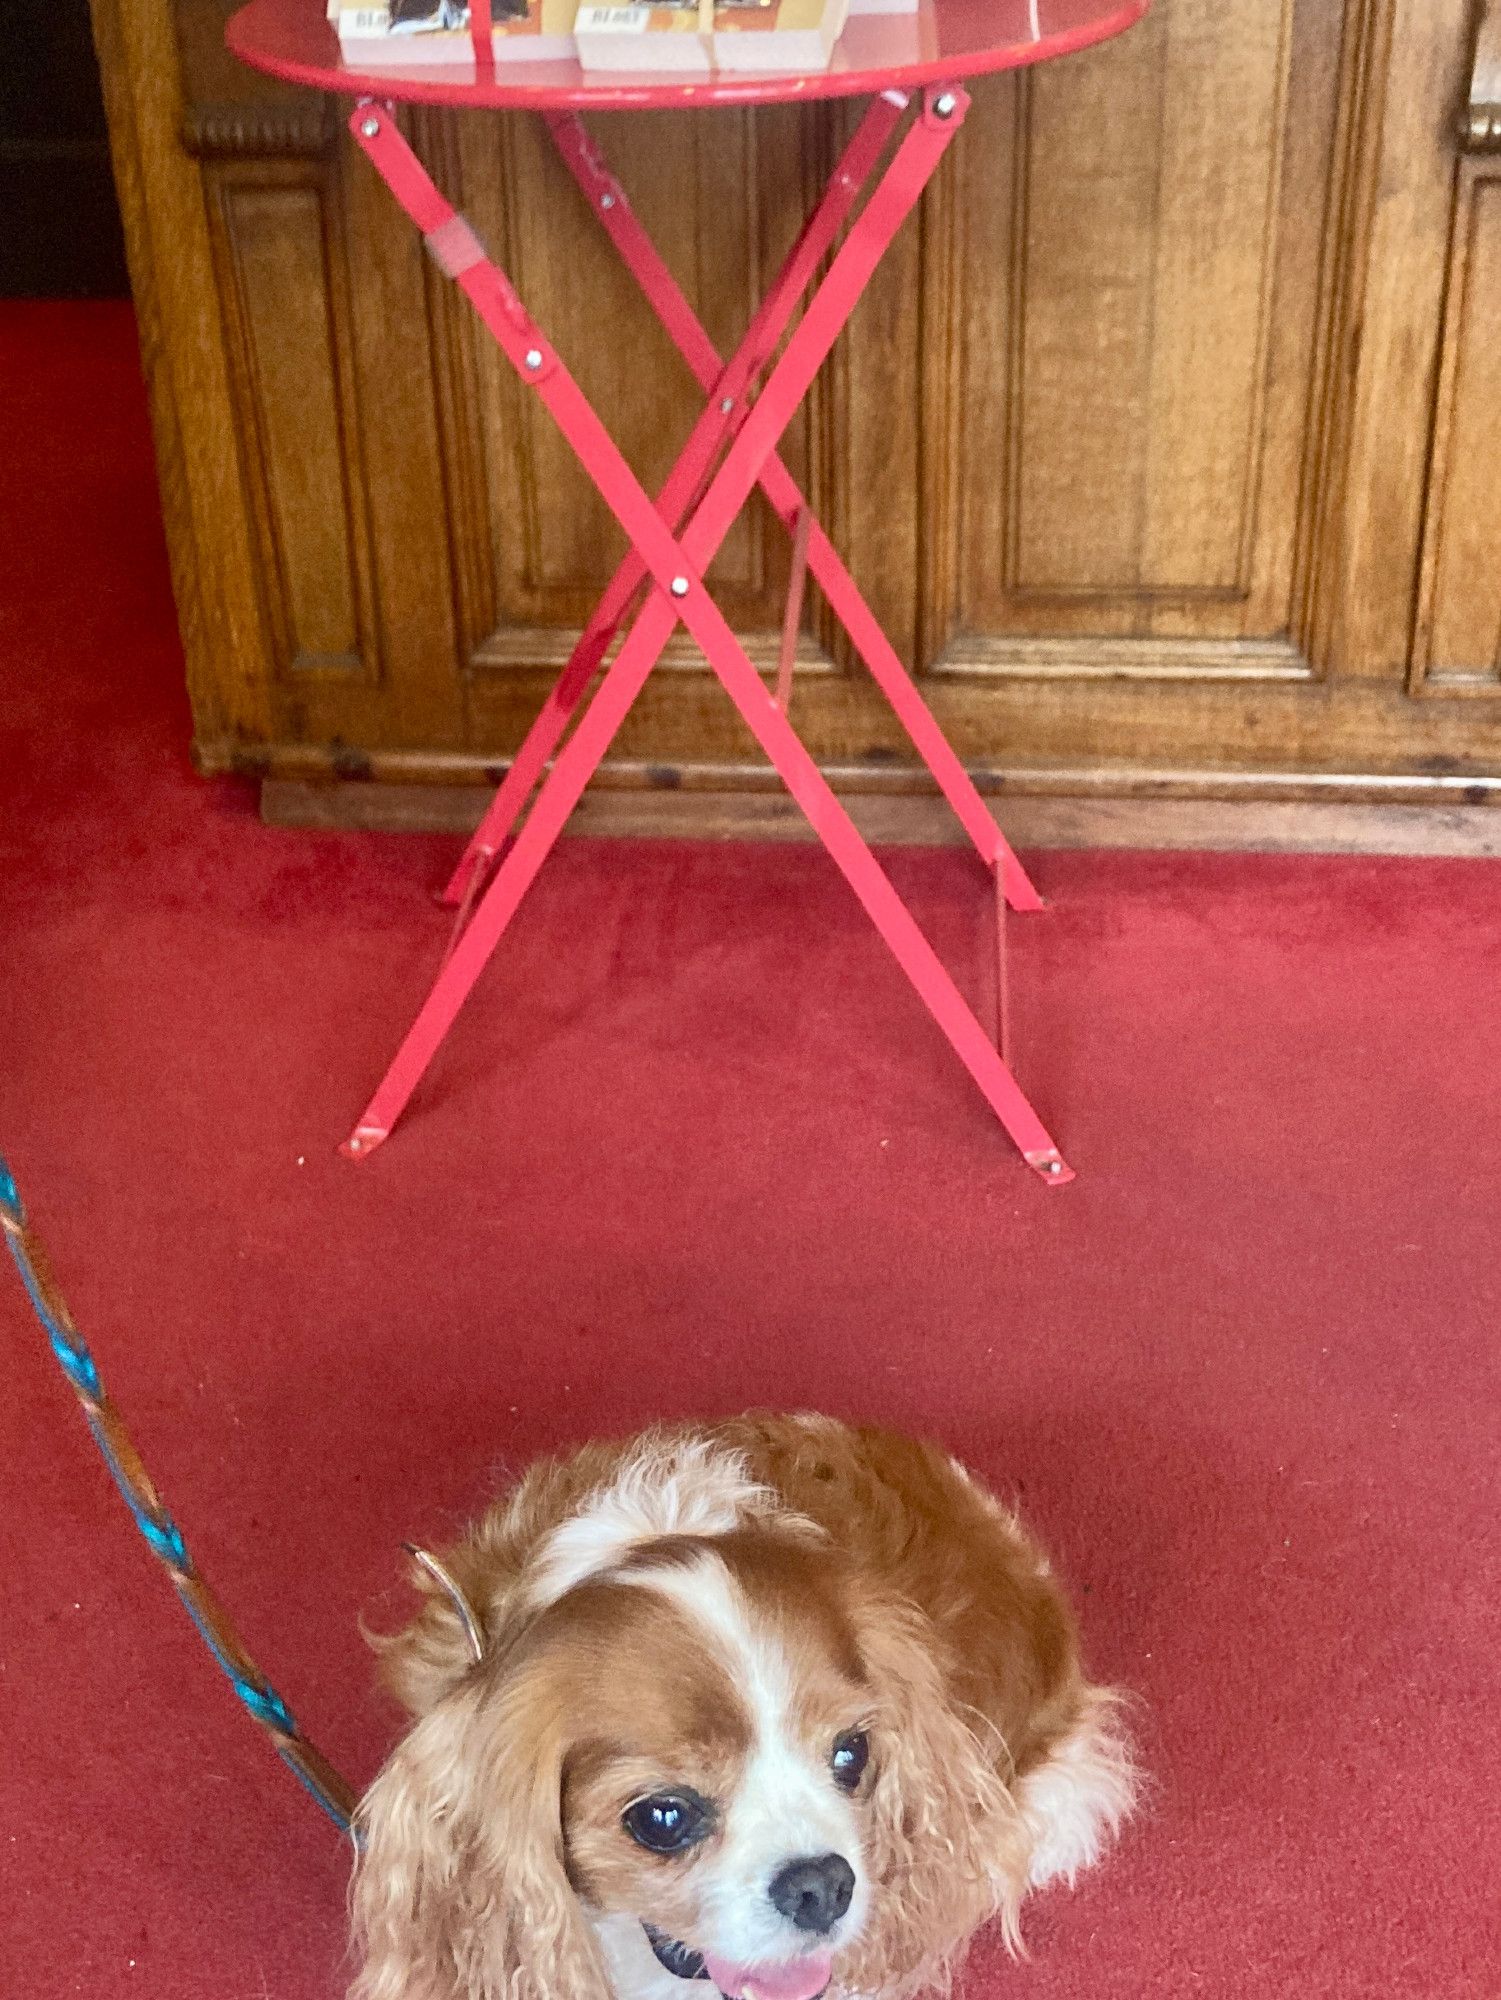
(726, 384)
(677, 569)
(642, 259)
(514, 875)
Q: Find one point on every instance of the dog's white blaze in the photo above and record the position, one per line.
(683, 1487)
(786, 1807)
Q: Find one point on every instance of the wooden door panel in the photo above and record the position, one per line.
(1141, 237)
(1135, 396)
(288, 344)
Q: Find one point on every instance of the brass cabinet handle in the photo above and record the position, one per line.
(1480, 126)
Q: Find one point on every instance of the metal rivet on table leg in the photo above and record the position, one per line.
(369, 127)
(534, 357)
(607, 201)
(726, 406)
(679, 586)
(943, 107)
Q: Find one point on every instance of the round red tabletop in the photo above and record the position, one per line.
(944, 41)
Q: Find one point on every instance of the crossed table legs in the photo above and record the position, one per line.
(673, 542)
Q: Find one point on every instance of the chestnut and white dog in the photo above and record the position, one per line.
(771, 1703)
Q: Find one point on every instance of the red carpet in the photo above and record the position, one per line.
(694, 1146)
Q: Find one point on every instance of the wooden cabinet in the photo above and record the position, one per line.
(1166, 443)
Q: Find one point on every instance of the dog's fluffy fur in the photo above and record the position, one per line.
(705, 1613)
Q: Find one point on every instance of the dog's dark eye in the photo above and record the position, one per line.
(850, 1756)
(667, 1822)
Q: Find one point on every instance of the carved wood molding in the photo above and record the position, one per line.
(1329, 434)
(260, 131)
(985, 656)
(1481, 131)
(1456, 648)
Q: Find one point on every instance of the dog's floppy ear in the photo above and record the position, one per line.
(460, 1891)
(434, 1651)
(946, 1843)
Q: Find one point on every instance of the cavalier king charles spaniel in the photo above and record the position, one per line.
(773, 1703)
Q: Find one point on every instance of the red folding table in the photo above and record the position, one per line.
(910, 66)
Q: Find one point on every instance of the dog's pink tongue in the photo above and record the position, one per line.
(798, 1979)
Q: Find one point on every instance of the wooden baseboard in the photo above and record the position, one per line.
(1267, 825)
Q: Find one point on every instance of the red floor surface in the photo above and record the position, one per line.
(694, 1146)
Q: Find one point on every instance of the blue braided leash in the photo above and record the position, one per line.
(161, 1533)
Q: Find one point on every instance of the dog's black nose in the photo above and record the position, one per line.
(814, 1894)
